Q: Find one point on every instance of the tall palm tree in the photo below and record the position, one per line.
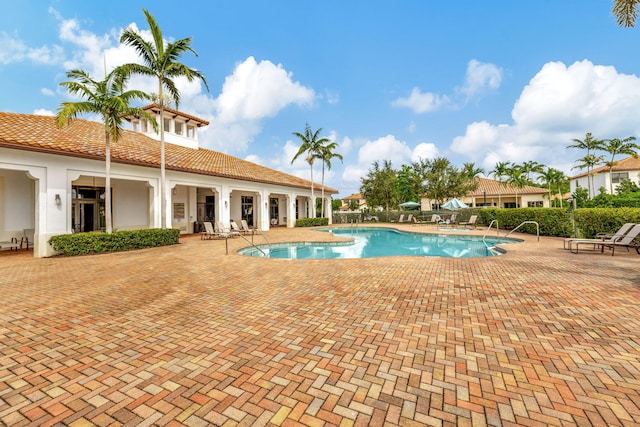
(160, 60)
(109, 99)
(617, 146)
(500, 170)
(530, 167)
(552, 177)
(589, 143)
(470, 170)
(326, 154)
(311, 146)
(589, 162)
(626, 12)
(517, 178)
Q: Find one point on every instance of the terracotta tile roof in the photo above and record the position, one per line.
(628, 164)
(85, 139)
(495, 188)
(357, 196)
(155, 108)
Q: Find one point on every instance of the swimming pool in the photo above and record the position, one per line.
(380, 242)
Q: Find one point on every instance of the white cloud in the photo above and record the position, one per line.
(424, 151)
(558, 104)
(43, 112)
(422, 102)
(47, 91)
(480, 78)
(13, 50)
(255, 91)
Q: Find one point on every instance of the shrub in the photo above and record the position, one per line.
(590, 221)
(98, 242)
(311, 222)
(552, 221)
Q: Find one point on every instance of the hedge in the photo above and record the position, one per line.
(99, 242)
(590, 221)
(311, 222)
(552, 221)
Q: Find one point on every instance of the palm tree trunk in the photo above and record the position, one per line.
(163, 183)
(611, 178)
(312, 207)
(107, 184)
(322, 201)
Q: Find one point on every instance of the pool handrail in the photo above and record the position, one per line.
(527, 222)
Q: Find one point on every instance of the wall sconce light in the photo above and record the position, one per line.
(265, 204)
(226, 204)
(58, 200)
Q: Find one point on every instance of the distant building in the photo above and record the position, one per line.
(52, 180)
(348, 201)
(492, 193)
(628, 168)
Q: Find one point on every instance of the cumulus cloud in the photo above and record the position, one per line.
(47, 92)
(421, 102)
(559, 103)
(13, 50)
(255, 91)
(480, 78)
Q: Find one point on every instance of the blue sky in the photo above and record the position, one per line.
(471, 81)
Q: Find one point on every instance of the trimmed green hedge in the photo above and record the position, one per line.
(552, 221)
(98, 242)
(311, 222)
(590, 221)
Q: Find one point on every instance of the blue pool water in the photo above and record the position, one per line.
(380, 242)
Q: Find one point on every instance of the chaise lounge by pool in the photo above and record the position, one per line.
(382, 242)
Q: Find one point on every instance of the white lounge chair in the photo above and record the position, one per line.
(244, 226)
(616, 241)
(225, 231)
(472, 221)
(600, 236)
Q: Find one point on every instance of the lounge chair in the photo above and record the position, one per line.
(208, 232)
(472, 221)
(625, 241)
(401, 219)
(630, 240)
(601, 236)
(27, 238)
(13, 244)
(244, 226)
(435, 219)
(409, 218)
(236, 228)
(225, 231)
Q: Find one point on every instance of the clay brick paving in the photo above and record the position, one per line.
(190, 336)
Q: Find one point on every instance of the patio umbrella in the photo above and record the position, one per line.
(454, 204)
(410, 205)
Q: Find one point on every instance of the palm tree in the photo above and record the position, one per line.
(160, 60)
(517, 178)
(471, 171)
(617, 146)
(590, 144)
(326, 154)
(589, 162)
(552, 177)
(499, 171)
(109, 99)
(626, 12)
(311, 145)
(532, 167)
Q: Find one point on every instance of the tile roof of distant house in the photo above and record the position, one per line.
(356, 196)
(85, 139)
(495, 188)
(627, 164)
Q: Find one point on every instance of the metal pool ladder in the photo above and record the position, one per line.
(527, 222)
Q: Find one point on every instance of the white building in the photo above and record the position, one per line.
(52, 180)
(628, 168)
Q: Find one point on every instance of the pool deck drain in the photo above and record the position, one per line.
(187, 335)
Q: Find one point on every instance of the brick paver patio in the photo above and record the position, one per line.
(187, 335)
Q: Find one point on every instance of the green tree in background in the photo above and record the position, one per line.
(311, 146)
(326, 154)
(379, 186)
(590, 160)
